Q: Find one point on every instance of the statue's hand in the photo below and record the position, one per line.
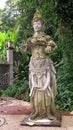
(48, 49)
(41, 88)
(52, 44)
(38, 87)
(24, 47)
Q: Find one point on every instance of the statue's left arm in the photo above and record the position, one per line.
(51, 46)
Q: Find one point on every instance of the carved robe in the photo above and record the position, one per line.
(42, 84)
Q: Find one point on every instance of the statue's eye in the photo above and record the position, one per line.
(39, 23)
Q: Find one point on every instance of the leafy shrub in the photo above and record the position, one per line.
(4, 38)
(19, 90)
(64, 90)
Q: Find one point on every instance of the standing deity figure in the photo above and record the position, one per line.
(42, 79)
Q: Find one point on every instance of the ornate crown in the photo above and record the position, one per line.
(37, 16)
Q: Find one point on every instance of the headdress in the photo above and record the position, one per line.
(37, 16)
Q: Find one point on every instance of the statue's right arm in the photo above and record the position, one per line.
(27, 46)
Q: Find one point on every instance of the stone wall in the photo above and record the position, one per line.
(4, 75)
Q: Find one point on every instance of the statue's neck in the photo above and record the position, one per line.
(38, 34)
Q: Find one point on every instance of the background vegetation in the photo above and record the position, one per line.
(16, 19)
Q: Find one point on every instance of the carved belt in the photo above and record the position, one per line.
(39, 65)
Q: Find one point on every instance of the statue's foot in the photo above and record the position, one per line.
(51, 117)
(42, 116)
(33, 116)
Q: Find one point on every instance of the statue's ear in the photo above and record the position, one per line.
(43, 27)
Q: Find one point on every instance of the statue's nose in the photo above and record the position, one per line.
(36, 26)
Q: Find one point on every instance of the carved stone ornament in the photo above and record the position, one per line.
(42, 79)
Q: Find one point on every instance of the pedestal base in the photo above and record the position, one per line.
(42, 122)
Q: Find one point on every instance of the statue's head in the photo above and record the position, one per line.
(37, 21)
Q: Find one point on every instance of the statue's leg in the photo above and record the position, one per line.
(49, 115)
(34, 106)
(32, 97)
(41, 105)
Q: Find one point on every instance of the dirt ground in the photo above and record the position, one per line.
(13, 111)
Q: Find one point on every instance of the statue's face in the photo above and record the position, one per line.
(37, 26)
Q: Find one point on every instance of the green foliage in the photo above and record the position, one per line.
(65, 12)
(21, 66)
(65, 72)
(64, 91)
(8, 16)
(4, 38)
(18, 90)
(64, 100)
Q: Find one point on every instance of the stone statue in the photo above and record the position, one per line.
(42, 79)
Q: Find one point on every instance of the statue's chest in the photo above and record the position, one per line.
(38, 52)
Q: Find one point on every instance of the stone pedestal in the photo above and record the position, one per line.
(42, 122)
